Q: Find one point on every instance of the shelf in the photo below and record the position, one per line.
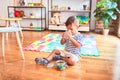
(41, 18)
(34, 28)
(87, 11)
(26, 6)
(65, 12)
(57, 24)
(83, 27)
(64, 24)
(34, 18)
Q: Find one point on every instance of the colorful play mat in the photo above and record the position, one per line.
(52, 41)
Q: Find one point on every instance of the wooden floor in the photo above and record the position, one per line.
(12, 67)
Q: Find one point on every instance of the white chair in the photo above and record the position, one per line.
(7, 30)
(7, 24)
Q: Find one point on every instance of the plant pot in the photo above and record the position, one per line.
(105, 32)
(119, 27)
(99, 26)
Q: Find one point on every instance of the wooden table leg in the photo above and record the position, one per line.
(7, 25)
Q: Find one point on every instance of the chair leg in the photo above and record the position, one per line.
(20, 46)
(19, 27)
(3, 44)
(7, 25)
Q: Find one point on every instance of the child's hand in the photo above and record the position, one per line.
(63, 35)
(63, 40)
(68, 33)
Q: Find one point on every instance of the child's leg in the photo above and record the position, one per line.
(68, 60)
(50, 57)
(45, 61)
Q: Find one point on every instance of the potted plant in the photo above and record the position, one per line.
(106, 11)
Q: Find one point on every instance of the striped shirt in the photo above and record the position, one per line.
(70, 47)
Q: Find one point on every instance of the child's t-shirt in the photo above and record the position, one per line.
(70, 46)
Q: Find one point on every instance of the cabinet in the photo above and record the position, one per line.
(66, 9)
(33, 17)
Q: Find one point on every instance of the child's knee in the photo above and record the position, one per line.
(71, 63)
(56, 51)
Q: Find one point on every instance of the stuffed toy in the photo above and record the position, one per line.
(22, 13)
(55, 19)
(18, 13)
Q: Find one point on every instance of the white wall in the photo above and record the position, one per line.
(3, 9)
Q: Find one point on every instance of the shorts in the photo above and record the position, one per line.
(67, 54)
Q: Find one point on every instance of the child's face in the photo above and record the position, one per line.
(74, 25)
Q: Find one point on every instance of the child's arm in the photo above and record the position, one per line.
(63, 40)
(77, 44)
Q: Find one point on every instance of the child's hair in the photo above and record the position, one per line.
(70, 20)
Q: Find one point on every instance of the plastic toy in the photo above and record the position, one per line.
(30, 4)
(83, 19)
(32, 15)
(11, 14)
(31, 25)
(69, 8)
(17, 13)
(61, 65)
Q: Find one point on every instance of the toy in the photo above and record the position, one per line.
(55, 19)
(11, 14)
(21, 2)
(30, 4)
(83, 19)
(31, 25)
(22, 13)
(69, 8)
(55, 7)
(17, 13)
(32, 15)
(41, 3)
(63, 8)
(15, 3)
(61, 65)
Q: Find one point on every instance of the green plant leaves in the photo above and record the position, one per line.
(117, 10)
(106, 11)
(110, 12)
(114, 17)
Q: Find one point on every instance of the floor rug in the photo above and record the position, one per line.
(52, 41)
